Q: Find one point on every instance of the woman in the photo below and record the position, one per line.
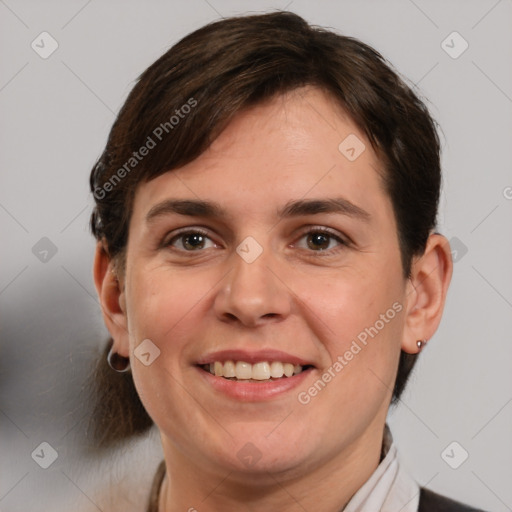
(268, 269)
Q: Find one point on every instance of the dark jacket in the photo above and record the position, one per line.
(432, 502)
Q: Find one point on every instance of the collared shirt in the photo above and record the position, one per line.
(389, 489)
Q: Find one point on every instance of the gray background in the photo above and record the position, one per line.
(55, 116)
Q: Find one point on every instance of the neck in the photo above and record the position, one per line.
(190, 487)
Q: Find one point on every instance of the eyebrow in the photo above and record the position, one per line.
(201, 208)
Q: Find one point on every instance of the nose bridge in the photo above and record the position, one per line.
(251, 291)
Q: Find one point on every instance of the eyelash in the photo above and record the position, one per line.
(313, 230)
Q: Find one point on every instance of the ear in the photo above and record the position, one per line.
(426, 292)
(112, 299)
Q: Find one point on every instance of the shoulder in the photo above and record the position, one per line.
(433, 502)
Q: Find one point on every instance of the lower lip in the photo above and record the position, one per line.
(254, 391)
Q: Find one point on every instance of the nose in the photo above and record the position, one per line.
(252, 293)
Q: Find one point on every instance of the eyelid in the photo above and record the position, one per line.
(166, 242)
(344, 239)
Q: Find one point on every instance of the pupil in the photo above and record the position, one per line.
(193, 241)
(320, 241)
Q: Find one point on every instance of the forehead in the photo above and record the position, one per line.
(298, 145)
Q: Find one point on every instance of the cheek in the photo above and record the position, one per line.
(352, 304)
(162, 305)
(359, 319)
(165, 309)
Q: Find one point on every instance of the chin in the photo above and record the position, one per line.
(261, 452)
(266, 468)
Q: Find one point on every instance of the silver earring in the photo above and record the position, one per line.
(118, 363)
(421, 344)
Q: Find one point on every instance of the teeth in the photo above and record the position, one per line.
(276, 369)
(243, 370)
(229, 369)
(263, 370)
(288, 369)
(218, 369)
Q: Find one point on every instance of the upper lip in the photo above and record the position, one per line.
(258, 356)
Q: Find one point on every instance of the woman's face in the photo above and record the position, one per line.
(276, 245)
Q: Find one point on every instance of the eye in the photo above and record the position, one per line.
(320, 240)
(191, 241)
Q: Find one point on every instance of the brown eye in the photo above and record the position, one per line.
(319, 240)
(191, 241)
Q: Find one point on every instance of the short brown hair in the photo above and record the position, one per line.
(230, 65)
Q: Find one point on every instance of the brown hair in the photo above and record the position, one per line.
(190, 94)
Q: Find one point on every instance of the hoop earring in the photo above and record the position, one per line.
(118, 363)
(421, 344)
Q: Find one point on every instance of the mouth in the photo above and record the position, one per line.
(253, 376)
(259, 372)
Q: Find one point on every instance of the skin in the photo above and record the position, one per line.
(294, 297)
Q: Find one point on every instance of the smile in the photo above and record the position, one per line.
(258, 372)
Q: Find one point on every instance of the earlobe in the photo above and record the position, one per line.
(112, 299)
(426, 293)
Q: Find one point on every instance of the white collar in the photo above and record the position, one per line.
(390, 488)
